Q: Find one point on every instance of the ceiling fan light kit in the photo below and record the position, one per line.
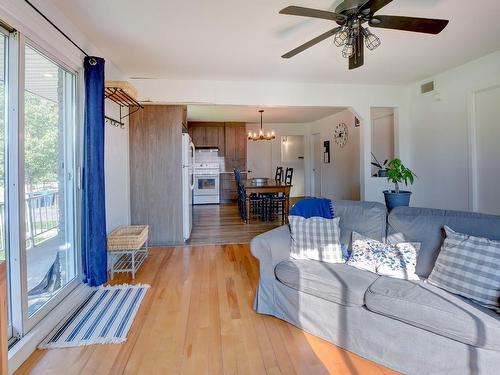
(261, 136)
(350, 34)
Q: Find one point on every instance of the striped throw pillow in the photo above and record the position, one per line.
(469, 266)
(315, 238)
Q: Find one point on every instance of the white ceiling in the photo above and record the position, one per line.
(249, 114)
(244, 39)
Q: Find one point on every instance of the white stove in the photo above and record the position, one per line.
(206, 183)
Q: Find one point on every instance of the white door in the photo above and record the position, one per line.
(292, 156)
(317, 159)
(487, 167)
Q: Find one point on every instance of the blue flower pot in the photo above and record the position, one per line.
(382, 173)
(393, 199)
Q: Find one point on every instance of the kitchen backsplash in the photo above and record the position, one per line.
(206, 156)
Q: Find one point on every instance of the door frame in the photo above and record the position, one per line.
(314, 166)
(472, 162)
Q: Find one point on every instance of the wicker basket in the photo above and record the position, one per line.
(128, 237)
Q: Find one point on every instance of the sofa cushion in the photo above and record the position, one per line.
(337, 283)
(425, 225)
(367, 218)
(425, 306)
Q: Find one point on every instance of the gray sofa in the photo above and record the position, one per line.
(411, 327)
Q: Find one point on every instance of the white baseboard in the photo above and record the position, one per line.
(21, 351)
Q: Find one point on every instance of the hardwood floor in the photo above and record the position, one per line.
(198, 319)
(222, 224)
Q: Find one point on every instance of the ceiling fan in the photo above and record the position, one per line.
(350, 33)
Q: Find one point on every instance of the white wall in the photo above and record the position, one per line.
(117, 171)
(440, 134)
(340, 179)
(264, 156)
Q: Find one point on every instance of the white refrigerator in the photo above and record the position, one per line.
(187, 185)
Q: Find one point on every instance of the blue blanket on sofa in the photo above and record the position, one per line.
(311, 207)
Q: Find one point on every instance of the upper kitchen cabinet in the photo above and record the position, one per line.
(236, 146)
(208, 134)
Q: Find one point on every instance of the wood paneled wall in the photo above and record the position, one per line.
(156, 172)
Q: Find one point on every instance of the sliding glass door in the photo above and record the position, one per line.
(3, 125)
(48, 161)
(38, 217)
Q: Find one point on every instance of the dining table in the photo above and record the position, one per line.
(269, 186)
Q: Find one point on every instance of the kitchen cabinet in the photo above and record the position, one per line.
(236, 146)
(208, 134)
(155, 136)
(197, 135)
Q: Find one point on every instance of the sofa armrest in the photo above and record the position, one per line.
(270, 248)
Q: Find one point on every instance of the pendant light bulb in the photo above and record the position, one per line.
(371, 40)
(341, 37)
(349, 49)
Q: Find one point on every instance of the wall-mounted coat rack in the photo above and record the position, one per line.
(113, 122)
(121, 93)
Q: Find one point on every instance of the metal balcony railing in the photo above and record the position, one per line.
(42, 218)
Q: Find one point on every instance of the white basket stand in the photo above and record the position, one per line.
(128, 248)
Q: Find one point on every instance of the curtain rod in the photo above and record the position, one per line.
(57, 28)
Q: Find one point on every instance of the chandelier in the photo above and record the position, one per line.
(261, 136)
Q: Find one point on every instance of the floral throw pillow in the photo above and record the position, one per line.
(364, 253)
(394, 260)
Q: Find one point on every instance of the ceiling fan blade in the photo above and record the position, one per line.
(418, 25)
(358, 59)
(314, 13)
(311, 43)
(372, 6)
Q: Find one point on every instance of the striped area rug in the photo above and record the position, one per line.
(104, 318)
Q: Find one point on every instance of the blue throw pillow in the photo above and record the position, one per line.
(313, 207)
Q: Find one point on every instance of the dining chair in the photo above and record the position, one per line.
(237, 177)
(288, 176)
(276, 204)
(279, 174)
(257, 203)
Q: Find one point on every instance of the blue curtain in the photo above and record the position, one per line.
(94, 252)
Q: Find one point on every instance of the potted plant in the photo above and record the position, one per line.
(382, 168)
(397, 173)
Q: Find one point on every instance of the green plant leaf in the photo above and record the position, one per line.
(398, 173)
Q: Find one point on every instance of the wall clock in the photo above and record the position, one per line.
(341, 134)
